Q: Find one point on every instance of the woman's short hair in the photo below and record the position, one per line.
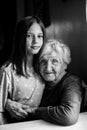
(59, 47)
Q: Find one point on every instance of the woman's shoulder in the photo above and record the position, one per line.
(71, 78)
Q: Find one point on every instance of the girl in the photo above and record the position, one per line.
(20, 86)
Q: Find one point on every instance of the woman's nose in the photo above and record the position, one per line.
(49, 67)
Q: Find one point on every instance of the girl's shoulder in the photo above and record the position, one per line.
(7, 67)
(40, 80)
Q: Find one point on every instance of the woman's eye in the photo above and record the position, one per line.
(43, 62)
(54, 61)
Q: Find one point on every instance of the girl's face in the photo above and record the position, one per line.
(34, 39)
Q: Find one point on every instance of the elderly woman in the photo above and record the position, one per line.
(62, 98)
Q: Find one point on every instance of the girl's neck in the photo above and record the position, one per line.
(30, 61)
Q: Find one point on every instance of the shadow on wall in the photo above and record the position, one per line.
(7, 25)
(39, 8)
(69, 23)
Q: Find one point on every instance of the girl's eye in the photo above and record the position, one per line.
(29, 35)
(40, 36)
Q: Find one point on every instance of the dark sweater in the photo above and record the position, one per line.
(61, 103)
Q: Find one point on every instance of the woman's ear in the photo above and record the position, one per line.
(64, 66)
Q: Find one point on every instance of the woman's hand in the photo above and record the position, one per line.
(16, 109)
(31, 110)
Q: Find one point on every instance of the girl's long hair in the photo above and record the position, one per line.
(19, 55)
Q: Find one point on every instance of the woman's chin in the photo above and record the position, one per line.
(49, 79)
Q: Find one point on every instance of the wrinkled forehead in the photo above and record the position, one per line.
(49, 53)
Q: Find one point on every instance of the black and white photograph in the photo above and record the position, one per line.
(43, 65)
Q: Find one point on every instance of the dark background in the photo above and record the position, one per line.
(64, 19)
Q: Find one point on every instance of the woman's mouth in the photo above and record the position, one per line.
(49, 73)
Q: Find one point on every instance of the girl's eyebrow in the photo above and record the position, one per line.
(29, 32)
(33, 33)
(40, 33)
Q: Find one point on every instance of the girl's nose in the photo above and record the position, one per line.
(35, 39)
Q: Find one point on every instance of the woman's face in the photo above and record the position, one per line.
(34, 39)
(51, 67)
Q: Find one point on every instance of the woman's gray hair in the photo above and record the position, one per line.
(59, 47)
